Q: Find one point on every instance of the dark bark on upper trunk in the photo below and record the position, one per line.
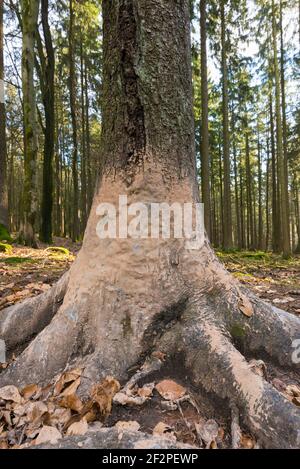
(147, 108)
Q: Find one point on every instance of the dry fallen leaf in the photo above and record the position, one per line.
(48, 435)
(66, 378)
(78, 428)
(146, 390)
(102, 394)
(245, 306)
(161, 429)
(293, 390)
(59, 417)
(29, 391)
(247, 442)
(207, 431)
(131, 425)
(71, 402)
(123, 398)
(170, 390)
(10, 393)
(35, 410)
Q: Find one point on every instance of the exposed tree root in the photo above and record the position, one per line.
(108, 438)
(21, 322)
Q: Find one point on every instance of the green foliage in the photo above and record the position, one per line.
(237, 331)
(4, 234)
(58, 250)
(17, 260)
(7, 248)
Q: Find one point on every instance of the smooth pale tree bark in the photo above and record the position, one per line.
(47, 69)
(284, 203)
(204, 147)
(3, 154)
(29, 14)
(227, 242)
(127, 298)
(72, 91)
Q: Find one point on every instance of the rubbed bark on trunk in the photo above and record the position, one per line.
(3, 154)
(72, 91)
(126, 297)
(227, 243)
(284, 203)
(47, 64)
(30, 9)
(204, 149)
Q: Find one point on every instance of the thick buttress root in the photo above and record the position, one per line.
(21, 322)
(267, 413)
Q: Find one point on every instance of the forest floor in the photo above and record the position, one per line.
(202, 421)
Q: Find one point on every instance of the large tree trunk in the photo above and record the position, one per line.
(30, 9)
(129, 297)
(3, 155)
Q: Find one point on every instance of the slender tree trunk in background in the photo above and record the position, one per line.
(227, 243)
(30, 9)
(297, 214)
(90, 188)
(275, 214)
(4, 222)
(284, 123)
(126, 297)
(48, 96)
(221, 198)
(250, 216)
(83, 146)
(204, 146)
(267, 196)
(72, 91)
(260, 208)
(236, 189)
(242, 211)
(284, 203)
